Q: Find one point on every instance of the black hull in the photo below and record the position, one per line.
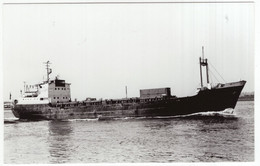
(217, 99)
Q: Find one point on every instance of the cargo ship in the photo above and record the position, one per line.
(51, 100)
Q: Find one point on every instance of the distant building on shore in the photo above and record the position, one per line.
(7, 104)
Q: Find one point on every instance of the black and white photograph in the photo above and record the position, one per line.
(121, 81)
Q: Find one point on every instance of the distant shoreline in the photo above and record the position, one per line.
(246, 98)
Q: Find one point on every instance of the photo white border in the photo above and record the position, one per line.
(256, 74)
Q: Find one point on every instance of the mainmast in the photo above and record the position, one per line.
(126, 92)
(203, 62)
(48, 69)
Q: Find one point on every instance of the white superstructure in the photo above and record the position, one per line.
(50, 91)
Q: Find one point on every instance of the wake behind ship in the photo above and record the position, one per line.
(51, 99)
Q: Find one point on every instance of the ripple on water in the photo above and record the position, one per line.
(201, 137)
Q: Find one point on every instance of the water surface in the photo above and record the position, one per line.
(206, 137)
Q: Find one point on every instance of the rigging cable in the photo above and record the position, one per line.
(211, 80)
(214, 75)
(217, 72)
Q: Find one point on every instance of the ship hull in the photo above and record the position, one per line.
(217, 99)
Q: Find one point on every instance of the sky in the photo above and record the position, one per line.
(101, 48)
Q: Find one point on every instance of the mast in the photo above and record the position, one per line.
(126, 91)
(48, 70)
(201, 80)
(207, 71)
(24, 87)
(203, 62)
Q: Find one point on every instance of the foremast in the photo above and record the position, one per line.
(203, 63)
(48, 70)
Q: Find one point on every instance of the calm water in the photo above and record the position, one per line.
(207, 137)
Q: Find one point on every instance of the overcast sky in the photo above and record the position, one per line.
(101, 48)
